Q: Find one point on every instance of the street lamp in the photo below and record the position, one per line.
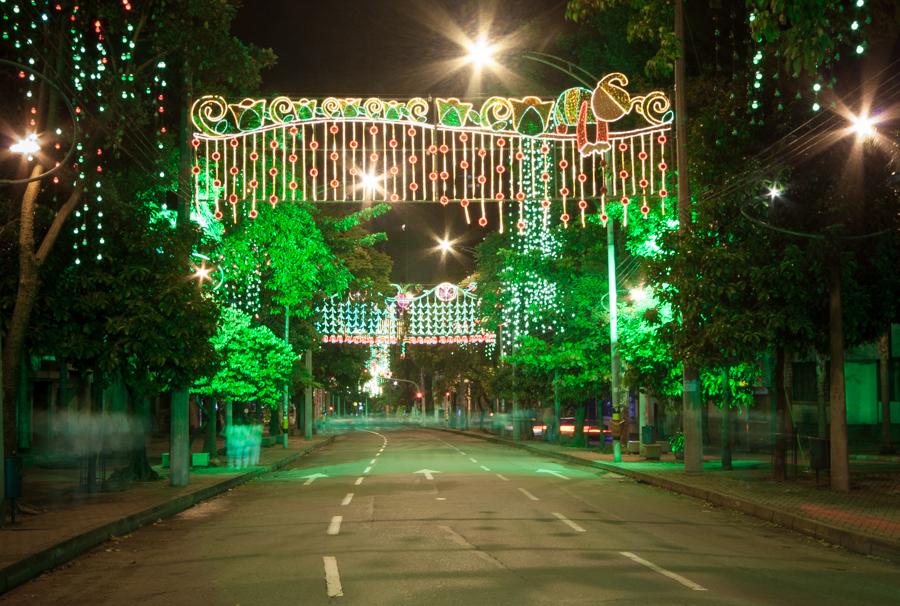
(27, 145)
(481, 53)
(585, 78)
(863, 126)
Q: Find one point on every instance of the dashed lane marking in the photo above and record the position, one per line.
(666, 573)
(528, 494)
(335, 526)
(332, 577)
(568, 522)
(503, 477)
(347, 499)
(359, 481)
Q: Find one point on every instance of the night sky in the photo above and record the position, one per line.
(398, 49)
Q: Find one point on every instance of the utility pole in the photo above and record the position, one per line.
(692, 421)
(615, 365)
(308, 400)
(287, 396)
(2, 451)
(840, 459)
(517, 431)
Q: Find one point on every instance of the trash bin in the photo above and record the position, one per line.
(13, 478)
(648, 434)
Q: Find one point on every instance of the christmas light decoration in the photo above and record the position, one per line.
(95, 51)
(529, 300)
(445, 314)
(350, 150)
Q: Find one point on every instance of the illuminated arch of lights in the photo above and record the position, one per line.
(597, 147)
(444, 315)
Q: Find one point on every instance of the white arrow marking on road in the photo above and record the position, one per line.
(347, 499)
(556, 473)
(332, 577)
(335, 526)
(666, 573)
(427, 473)
(312, 478)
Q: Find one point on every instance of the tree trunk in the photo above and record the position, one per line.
(274, 422)
(556, 411)
(820, 396)
(210, 443)
(26, 293)
(726, 419)
(884, 381)
(580, 414)
(840, 460)
(139, 468)
(780, 459)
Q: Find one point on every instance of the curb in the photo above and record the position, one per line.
(852, 540)
(36, 563)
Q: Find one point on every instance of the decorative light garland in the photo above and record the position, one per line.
(97, 61)
(350, 150)
(445, 314)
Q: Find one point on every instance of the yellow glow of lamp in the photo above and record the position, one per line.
(480, 53)
(26, 146)
(863, 126)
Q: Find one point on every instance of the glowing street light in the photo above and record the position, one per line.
(863, 126)
(481, 53)
(26, 146)
(445, 245)
(774, 192)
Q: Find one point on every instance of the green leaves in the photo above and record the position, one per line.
(252, 363)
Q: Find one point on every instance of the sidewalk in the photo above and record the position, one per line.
(867, 520)
(66, 523)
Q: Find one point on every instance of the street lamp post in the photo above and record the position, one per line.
(476, 56)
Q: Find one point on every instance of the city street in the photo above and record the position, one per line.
(419, 516)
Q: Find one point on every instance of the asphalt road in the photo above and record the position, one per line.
(432, 518)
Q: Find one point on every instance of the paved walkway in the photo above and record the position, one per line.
(66, 522)
(866, 520)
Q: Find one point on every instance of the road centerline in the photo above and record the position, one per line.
(332, 577)
(528, 494)
(568, 522)
(347, 499)
(334, 527)
(359, 481)
(666, 573)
